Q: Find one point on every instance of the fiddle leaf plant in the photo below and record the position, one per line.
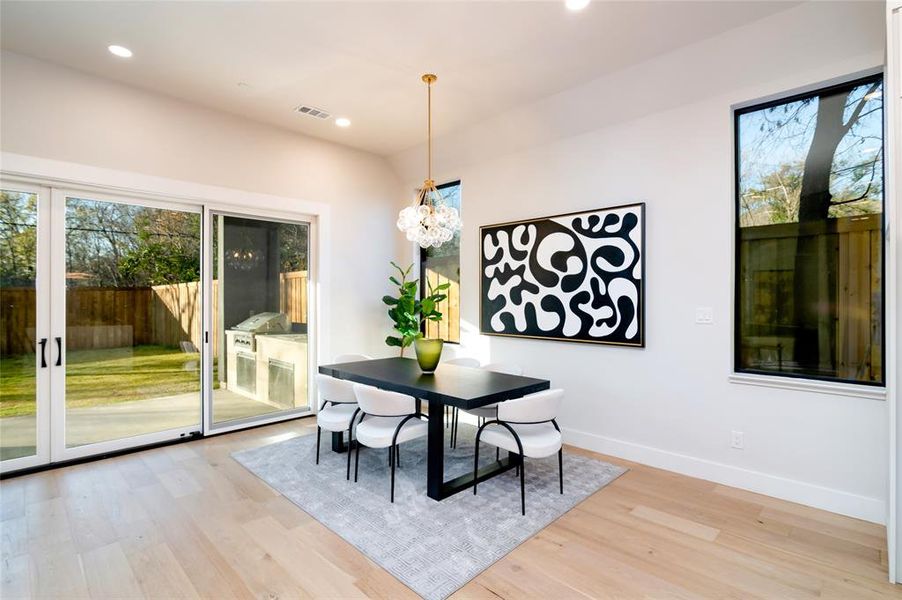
(408, 312)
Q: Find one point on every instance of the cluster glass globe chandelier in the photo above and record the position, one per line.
(429, 221)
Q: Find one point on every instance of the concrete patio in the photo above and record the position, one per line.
(126, 419)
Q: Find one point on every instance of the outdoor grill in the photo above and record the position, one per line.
(266, 361)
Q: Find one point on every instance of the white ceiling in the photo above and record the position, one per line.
(363, 60)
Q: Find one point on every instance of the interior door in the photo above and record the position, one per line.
(261, 340)
(24, 326)
(126, 320)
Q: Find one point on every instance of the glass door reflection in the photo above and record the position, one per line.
(260, 317)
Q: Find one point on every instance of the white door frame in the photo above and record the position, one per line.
(893, 186)
(42, 329)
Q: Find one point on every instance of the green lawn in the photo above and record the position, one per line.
(97, 377)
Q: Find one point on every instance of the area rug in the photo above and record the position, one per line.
(432, 547)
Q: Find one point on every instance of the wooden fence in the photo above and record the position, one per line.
(768, 253)
(163, 315)
(448, 328)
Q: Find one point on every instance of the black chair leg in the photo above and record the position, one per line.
(560, 464)
(350, 447)
(398, 455)
(392, 451)
(475, 466)
(453, 425)
(497, 453)
(391, 456)
(455, 420)
(356, 461)
(456, 425)
(319, 434)
(522, 486)
(446, 417)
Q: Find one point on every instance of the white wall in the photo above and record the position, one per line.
(53, 112)
(662, 133)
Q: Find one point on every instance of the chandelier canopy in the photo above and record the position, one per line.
(429, 221)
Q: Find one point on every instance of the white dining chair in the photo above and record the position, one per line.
(483, 413)
(338, 407)
(387, 419)
(463, 361)
(526, 426)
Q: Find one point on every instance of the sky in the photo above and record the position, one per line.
(771, 137)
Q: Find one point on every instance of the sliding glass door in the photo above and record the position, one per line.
(126, 321)
(129, 274)
(260, 315)
(24, 326)
(101, 323)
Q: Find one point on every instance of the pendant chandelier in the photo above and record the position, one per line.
(429, 221)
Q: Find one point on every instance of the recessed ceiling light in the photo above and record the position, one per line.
(577, 4)
(120, 51)
(343, 122)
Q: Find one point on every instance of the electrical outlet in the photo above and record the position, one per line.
(737, 440)
(704, 315)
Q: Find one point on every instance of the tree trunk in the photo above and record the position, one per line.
(814, 280)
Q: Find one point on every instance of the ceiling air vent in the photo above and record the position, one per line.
(316, 113)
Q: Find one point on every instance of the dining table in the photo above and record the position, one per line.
(450, 385)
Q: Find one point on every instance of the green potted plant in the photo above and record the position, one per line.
(408, 313)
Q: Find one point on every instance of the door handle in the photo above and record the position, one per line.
(59, 351)
(43, 353)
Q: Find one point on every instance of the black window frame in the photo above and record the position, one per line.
(421, 262)
(813, 91)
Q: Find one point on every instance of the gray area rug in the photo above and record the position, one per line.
(432, 547)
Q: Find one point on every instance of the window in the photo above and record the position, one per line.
(809, 239)
(442, 265)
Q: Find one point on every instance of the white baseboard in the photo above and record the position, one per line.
(837, 501)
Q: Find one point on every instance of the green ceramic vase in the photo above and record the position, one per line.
(429, 352)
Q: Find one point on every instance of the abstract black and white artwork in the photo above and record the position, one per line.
(577, 277)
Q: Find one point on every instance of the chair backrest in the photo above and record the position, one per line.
(335, 390)
(464, 361)
(534, 408)
(382, 403)
(343, 358)
(507, 368)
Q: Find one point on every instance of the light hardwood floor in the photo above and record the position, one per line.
(188, 521)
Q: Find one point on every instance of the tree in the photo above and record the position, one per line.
(18, 238)
(816, 253)
(166, 249)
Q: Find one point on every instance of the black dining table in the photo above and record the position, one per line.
(450, 385)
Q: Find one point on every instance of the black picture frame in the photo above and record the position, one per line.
(489, 307)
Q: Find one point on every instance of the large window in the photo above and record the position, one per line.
(809, 240)
(442, 265)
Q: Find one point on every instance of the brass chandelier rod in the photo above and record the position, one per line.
(429, 79)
